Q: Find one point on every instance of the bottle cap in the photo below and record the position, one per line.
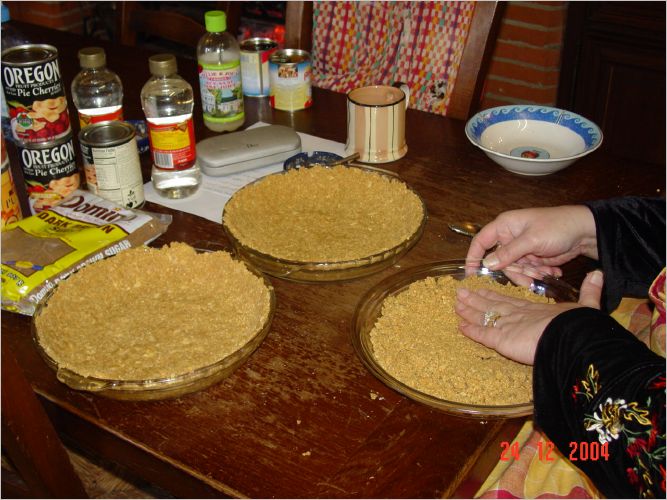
(92, 57)
(215, 20)
(162, 64)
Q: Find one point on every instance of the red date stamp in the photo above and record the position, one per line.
(582, 451)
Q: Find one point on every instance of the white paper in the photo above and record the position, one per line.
(210, 199)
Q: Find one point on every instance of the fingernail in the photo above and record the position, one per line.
(462, 293)
(596, 278)
(490, 261)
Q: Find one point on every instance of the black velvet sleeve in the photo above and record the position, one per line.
(631, 245)
(595, 385)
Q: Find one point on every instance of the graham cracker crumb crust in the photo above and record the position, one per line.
(322, 214)
(151, 313)
(417, 341)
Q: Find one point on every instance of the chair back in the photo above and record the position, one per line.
(440, 50)
(169, 25)
(299, 25)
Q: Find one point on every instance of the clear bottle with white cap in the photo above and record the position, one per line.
(168, 101)
(97, 91)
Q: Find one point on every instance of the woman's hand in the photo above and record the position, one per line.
(544, 238)
(521, 323)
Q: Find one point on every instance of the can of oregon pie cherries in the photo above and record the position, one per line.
(50, 172)
(35, 93)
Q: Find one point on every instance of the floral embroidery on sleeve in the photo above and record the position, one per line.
(632, 423)
(589, 386)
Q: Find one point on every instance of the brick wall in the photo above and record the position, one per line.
(526, 61)
(66, 16)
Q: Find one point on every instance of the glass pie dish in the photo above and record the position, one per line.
(369, 310)
(159, 388)
(305, 271)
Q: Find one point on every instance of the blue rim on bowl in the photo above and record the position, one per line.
(306, 160)
(583, 135)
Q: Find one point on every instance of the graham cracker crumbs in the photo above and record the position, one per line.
(321, 214)
(416, 340)
(150, 313)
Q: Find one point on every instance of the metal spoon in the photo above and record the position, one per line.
(469, 229)
(343, 161)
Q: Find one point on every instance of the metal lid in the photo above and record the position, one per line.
(28, 54)
(47, 144)
(109, 133)
(92, 57)
(162, 64)
(289, 56)
(258, 44)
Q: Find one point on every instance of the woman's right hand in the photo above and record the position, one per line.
(544, 238)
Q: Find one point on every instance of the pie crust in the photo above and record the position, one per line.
(324, 214)
(150, 313)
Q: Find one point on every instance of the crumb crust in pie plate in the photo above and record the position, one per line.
(374, 213)
(168, 382)
(370, 309)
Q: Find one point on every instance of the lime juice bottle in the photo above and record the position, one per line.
(219, 65)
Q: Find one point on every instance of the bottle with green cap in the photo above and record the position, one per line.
(219, 65)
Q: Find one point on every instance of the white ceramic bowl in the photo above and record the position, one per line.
(533, 139)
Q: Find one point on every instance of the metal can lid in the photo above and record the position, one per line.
(104, 134)
(28, 54)
(46, 144)
(289, 56)
(258, 44)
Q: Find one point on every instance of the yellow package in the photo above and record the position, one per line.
(41, 250)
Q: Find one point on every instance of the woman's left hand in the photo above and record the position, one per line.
(520, 323)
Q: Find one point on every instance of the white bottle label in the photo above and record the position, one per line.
(96, 115)
(221, 94)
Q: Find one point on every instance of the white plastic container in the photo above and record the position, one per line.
(97, 91)
(167, 101)
(219, 59)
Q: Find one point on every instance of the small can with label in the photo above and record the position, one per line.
(35, 93)
(111, 162)
(255, 54)
(49, 171)
(11, 209)
(290, 72)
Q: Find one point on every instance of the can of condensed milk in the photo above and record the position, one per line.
(111, 162)
(49, 171)
(35, 93)
(290, 72)
(255, 53)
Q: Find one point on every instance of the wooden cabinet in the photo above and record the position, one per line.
(613, 72)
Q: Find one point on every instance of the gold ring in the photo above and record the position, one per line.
(491, 317)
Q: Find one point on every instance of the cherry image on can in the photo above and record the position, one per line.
(50, 172)
(34, 93)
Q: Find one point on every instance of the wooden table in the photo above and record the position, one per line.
(298, 419)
